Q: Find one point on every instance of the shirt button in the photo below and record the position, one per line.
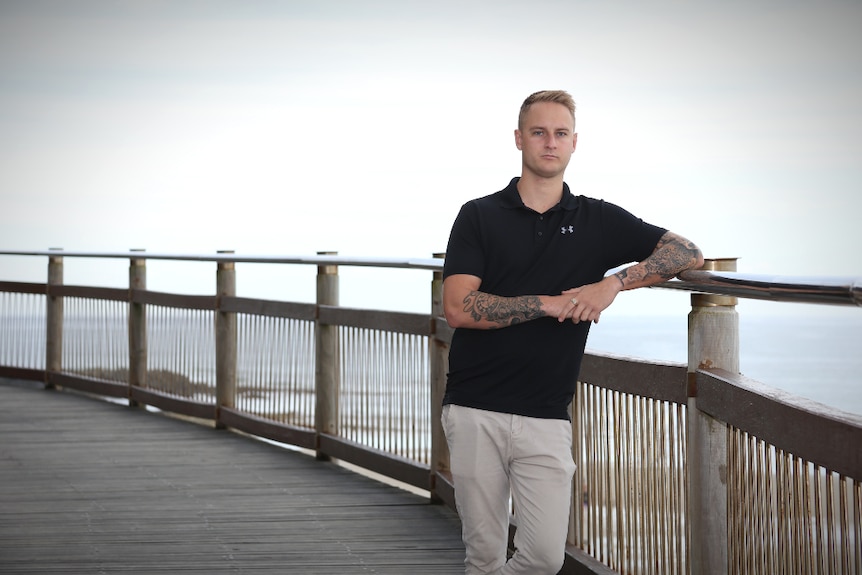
(540, 234)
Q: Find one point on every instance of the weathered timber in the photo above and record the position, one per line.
(95, 487)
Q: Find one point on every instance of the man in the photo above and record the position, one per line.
(524, 277)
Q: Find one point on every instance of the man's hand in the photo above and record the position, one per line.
(672, 254)
(586, 303)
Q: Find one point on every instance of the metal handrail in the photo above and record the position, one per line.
(823, 290)
(434, 264)
(835, 290)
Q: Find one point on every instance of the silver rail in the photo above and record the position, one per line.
(823, 290)
(320, 260)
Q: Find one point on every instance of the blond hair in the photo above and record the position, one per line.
(555, 96)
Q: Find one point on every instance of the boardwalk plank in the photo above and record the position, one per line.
(95, 487)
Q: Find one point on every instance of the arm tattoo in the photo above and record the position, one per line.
(502, 311)
(672, 255)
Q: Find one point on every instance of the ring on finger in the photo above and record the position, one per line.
(574, 301)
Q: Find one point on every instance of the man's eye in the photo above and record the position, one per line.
(538, 132)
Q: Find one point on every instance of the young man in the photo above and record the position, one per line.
(524, 277)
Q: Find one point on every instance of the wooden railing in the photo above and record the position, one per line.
(681, 468)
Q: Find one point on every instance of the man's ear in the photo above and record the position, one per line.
(518, 139)
(575, 141)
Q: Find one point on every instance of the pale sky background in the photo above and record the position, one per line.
(362, 126)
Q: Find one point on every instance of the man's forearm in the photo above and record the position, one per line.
(493, 311)
(672, 255)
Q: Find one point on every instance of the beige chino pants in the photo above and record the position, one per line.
(493, 455)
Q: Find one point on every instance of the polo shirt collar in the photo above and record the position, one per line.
(510, 198)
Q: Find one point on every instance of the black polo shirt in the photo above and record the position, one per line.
(531, 368)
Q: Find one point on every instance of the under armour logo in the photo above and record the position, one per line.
(567, 230)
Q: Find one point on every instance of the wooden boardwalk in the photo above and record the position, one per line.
(93, 487)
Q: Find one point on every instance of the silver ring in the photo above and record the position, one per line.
(574, 301)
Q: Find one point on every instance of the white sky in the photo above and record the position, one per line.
(361, 127)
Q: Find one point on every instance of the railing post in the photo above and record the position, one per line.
(137, 326)
(713, 342)
(225, 339)
(438, 365)
(326, 368)
(54, 319)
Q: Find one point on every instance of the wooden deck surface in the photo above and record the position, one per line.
(93, 487)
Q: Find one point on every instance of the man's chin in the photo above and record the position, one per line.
(546, 172)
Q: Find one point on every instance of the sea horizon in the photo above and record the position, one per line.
(818, 358)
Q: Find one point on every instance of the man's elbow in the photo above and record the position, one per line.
(454, 317)
(691, 257)
(698, 259)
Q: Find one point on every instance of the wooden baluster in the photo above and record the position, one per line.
(226, 336)
(713, 342)
(327, 366)
(137, 327)
(54, 319)
(438, 358)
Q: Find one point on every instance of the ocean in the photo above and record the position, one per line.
(815, 357)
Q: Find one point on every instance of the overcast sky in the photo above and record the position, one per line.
(362, 126)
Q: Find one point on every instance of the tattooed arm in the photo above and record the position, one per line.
(465, 306)
(672, 255)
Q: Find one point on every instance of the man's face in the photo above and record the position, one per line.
(546, 139)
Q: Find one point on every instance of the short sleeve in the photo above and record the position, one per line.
(464, 252)
(627, 238)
